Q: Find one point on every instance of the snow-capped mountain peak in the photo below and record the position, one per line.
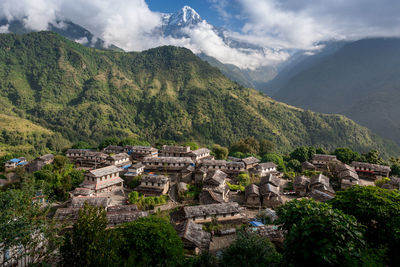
(185, 17)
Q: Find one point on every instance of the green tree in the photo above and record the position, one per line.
(319, 235)
(249, 145)
(205, 259)
(219, 152)
(151, 241)
(25, 225)
(266, 147)
(89, 243)
(81, 145)
(379, 210)
(373, 157)
(192, 145)
(303, 153)
(133, 142)
(251, 250)
(275, 158)
(294, 165)
(110, 141)
(244, 179)
(346, 155)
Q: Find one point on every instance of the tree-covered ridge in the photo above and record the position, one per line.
(167, 92)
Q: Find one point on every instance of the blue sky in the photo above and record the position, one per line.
(205, 8)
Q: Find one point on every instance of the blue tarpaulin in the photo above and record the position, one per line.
(256, 224)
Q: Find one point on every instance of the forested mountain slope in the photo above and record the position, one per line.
(361, 80)
(167, 92)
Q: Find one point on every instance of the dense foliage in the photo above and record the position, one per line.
(319, 235)
(163, 93)
(89, 243)
(151, 241)
(379, 210)
(251, 250)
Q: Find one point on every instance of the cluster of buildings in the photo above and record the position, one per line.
(174, 168)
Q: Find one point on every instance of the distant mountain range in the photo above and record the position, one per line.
(173, 25)
(71, 93)
(360, 80)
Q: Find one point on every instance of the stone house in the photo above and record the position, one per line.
(270, 195)
(233, 168)
(321, 182)
(199, 154)
(215, 189)
(134, 170)
(264, 169)
(250, 162)
(166, 164)
(370, 171)
(308, 166)
(113, 150)
(141, 152)
(200, 174)
(271, 179)
(153, 185)
(348, 176)
(14, 163)
(175, 151)
(320, 161)
(300, 185)
(193, 236)
(73, 154)
(103, 180)
(119, 160)
(224, 212)
(252, 195)
(124, 213)
(38, 163)
(79, 202)
(82, 192)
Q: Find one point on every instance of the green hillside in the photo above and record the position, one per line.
(167, 92)
(361, 81)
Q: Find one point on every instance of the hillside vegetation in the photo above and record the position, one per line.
(86, 94)
(361, 80)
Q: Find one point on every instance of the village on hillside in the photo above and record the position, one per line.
(205, 198)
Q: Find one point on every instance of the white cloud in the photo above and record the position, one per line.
(4, 28)
(276, 25)
(82, 41)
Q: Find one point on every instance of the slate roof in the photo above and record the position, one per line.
(348, 174)
(114, 148)
(184, 160)
(123, 214)
(79, 202)
(209, 210)
(319, 179)
(67, 214)
(267, 188)
(250, 160)
(47, 157)
(155, 179)
(201, 151)
(103, 171)
(374, 167)
(270, 179)
(320, 195)
(119, 156)
(176, 149)
(215, 177)
(266, 165)
(208, 196)
(194, 233)
(82, 191)
(301, 181)
(308, 165)
(252, 189)
(323, 157)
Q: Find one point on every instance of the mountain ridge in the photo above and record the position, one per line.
(167, 92)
